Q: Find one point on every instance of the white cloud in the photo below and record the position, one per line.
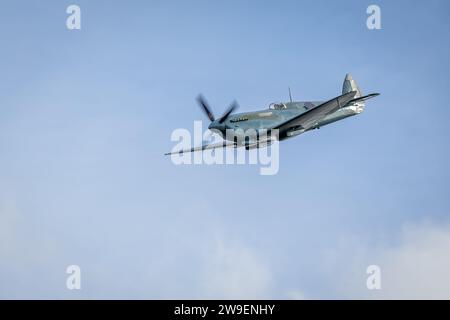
(234, 271)
(418, 267)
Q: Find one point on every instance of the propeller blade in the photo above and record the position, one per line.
(227, 113)
(202, 102)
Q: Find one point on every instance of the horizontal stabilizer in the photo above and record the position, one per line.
(365, 98)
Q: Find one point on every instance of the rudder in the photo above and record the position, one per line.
(351, 85)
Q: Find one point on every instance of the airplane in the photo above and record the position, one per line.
(289, 118)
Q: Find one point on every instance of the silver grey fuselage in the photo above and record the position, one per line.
(269, 118)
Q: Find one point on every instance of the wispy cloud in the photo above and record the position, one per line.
(415, 267)
(235, 271)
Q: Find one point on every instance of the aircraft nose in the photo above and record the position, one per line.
(215, 125)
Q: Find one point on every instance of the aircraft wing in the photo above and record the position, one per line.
(310, 118)
(222, 144)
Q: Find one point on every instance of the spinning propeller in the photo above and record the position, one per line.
(205, 106)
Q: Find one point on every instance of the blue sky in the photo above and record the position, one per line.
(86, 116)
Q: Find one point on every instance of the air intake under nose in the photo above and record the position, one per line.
(218, 127)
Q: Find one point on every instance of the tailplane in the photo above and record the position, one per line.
(351, 85)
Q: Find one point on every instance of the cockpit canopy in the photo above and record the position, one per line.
(277, 106)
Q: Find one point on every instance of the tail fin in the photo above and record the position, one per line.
(360, 99)
(351, 85)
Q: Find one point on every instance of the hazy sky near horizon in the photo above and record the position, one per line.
(86, 116)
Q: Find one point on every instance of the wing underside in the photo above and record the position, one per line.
(222, 144)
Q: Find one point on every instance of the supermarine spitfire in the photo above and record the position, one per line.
(288, 119)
